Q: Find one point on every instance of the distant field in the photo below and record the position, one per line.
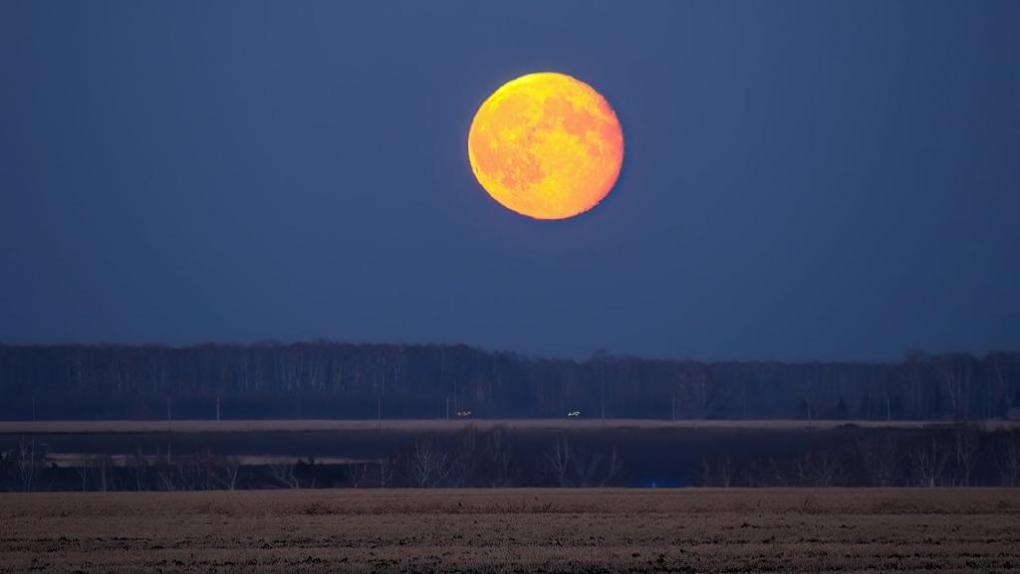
(204, 426)
(523, 530)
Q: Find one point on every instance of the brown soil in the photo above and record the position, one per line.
(692, 530)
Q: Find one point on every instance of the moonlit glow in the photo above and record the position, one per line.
(546, 145)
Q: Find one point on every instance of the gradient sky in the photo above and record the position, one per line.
(803, 180)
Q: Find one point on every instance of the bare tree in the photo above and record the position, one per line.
(1009, 394)
(387, 471)
(105, 463)
(497, 451)
(765, 471)
(819, 467)
(139, 469)
(717, 473)
(878, 458)
(167, 477)
(466, 458)
(1009, 459)
(612, 468)
(283, 473)
(600, 360)
(28, 463)
(429, 464)
(224, 471)
(587, 467)
(82, 470)
(571, 466)
(559, 460)
(185, 473)
(595, 468)
(359, 474)
(965, 450)
(929, 461)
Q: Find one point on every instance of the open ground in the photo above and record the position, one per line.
(514, 530)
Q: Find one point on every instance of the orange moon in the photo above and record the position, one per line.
(546, 145)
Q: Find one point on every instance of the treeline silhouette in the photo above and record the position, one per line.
(362, 381)
(939, 455)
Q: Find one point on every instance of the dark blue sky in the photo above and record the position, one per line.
(803, 180)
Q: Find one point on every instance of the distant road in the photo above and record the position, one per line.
(301, 425)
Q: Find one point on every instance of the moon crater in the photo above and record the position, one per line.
(546, 145)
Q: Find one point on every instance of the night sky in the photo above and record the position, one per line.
(802, 180)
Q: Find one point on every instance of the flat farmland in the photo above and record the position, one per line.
(514, 530)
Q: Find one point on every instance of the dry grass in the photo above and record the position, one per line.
(107, 427)
(514, 531)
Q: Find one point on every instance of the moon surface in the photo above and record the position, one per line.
(546, 145)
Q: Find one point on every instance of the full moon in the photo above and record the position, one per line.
(546, 145)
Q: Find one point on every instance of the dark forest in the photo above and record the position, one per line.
(348, 381)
